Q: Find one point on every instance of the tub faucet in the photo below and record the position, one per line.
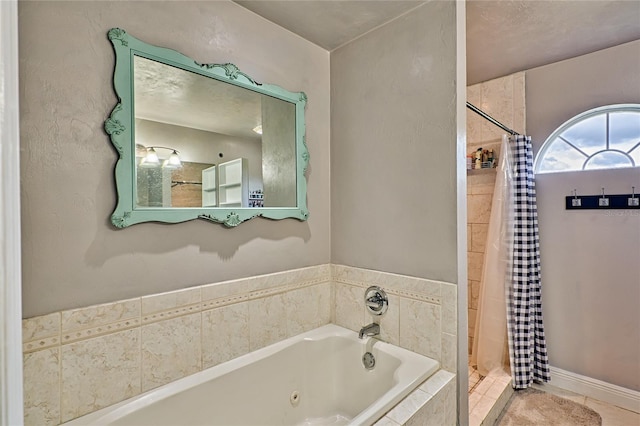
(372, 329)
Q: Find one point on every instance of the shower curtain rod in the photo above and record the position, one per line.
(490, 119)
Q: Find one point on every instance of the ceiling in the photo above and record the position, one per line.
(503, 36)
(171, 95)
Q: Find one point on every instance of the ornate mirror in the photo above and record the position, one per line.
(202, 140)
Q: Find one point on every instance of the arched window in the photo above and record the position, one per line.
(603, 138)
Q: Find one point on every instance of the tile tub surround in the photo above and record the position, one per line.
(81, 360)
(432, 404)
(422, 314)
(71, 357)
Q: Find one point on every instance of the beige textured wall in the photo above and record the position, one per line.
(503, 99)
(72, 256)
(590, 275)
(393, 146)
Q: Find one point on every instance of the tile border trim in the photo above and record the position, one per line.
(394, 291)
(61, 338)
(323, 275)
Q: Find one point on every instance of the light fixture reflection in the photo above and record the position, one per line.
(151, 159)
(173, 162)
(258, 129)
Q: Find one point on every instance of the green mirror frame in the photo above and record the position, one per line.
(120, 127)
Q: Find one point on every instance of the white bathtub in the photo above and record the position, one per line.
(316, 378)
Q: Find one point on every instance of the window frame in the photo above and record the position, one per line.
(603, 110)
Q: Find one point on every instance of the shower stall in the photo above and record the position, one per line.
(506, 334)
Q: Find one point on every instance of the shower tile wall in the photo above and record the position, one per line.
(504, 100)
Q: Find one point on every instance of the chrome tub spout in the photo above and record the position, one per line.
(372, 329)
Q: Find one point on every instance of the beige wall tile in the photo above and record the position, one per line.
(292, 277)
(503, 99)
(420, 327)
(430, 414)
(449, 308)
(389, 322)
(475, 265)
(171, 350)
(479, 237)
(468, 237)
(474, 94)
(307, 308)
(497, 101)
(480, 179)
(333, 302)
(225, 334)
(350, 306)
(41, 327)
(472, 321)
(170, 301)
(449, 352)
(42, 387)
(225, 289)
(483, 188)
(519, 103)
(99, 372)
(267, 321)
(408, 407)
(474, 293)
(478, 208)
(437, 382)
(474, 121)
(98, 315)
(387, 281)
(450, 403)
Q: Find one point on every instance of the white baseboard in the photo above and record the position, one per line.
(596, 389)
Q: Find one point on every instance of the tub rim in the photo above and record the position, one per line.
(369, 415)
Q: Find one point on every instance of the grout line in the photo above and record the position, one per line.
(140, 354)
(59, 384)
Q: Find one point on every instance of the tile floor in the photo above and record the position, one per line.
(611, 415)
(483, 392)
(487, 396)
(474, 379)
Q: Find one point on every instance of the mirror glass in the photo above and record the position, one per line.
(202, 141)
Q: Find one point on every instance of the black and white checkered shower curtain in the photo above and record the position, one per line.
(527, 345)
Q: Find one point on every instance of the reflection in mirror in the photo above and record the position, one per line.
(202, 140)
(209, 123)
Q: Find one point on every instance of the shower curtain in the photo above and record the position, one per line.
(509, 310)
(527, 345)
(489, 350)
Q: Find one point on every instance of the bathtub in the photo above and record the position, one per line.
(315, 378)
